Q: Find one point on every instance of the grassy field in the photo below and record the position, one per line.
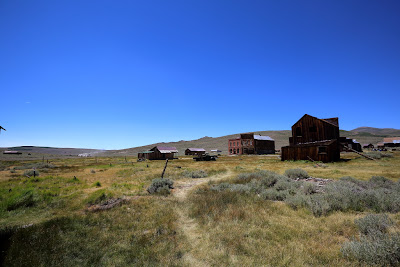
(57, 218)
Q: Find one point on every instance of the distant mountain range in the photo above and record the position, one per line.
(363, 135)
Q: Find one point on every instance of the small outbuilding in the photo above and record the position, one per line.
(12, 152)
(195, 151)
(368, 146)
(158, 152)
(348, 144)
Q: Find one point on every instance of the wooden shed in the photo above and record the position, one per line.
(313, 138)
(195, 151)
(348, 144)
(159, 152)
(368, 146)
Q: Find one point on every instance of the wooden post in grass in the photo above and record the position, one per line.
(165, 167)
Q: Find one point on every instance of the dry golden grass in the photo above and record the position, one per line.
(202, 229)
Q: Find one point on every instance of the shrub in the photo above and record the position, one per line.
(195, 174)
(92, 171)
(31, 173)
(309, 188)
(97, 184)
(318, 205)
(380, 181)
(376, 245)
(296, 173)
(373, 223)
(161, 185)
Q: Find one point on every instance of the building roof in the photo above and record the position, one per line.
(391, 140)
(332, 121)
(197, 149)
(165, 150)
(260, 137)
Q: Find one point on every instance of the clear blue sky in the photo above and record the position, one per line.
(119, 74)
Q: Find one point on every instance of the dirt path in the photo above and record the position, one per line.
(197, 239)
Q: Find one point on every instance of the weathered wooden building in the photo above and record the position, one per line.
(348, 144)
(313, 138)
(391, 142)
(368, 146)
(158, 152)
(195, 151)
(250, 143)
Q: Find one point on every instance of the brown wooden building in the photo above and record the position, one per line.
(347, 144)
(195, 151)
(250, 143)
(158, 152)
(313, 138)
(368, 146)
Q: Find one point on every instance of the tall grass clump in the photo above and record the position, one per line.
(376, 245)
(161, 185)
(25, 198)
(296, 173)
(195, 174)
(99, 197)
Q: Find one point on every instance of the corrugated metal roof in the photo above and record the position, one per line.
(164, 150)
(196, 149)
(260, 137)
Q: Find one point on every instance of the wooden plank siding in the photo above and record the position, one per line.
(314, 138)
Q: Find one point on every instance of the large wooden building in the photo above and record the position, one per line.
(158, 152)
(195, 151)
(315, 139)
(250, 143)
(348, 144)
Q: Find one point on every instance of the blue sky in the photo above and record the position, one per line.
(119, 74)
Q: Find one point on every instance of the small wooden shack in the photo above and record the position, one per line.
(368, 146)
(348, 144)
(195, 151)
(159, 152)
(315, 139)
(12, 152)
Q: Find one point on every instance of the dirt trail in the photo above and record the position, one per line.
(196, 238)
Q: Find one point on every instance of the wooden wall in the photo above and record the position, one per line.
(311, 129)
(303, 151)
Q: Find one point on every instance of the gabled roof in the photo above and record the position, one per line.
(332, 121)
(260, 137)
(197, 149)
(164, 150)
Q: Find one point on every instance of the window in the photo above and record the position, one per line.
(230, 151)
(322, 150)
(313, 129)
(237, 143)
(298, 131)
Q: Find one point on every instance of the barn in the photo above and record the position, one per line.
(313, 139)
(195, 151)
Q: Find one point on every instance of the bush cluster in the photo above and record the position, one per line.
(376, 245)
(195, 174)
(161, 185)
(296, 173)
(378, 155)
(348, 194)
